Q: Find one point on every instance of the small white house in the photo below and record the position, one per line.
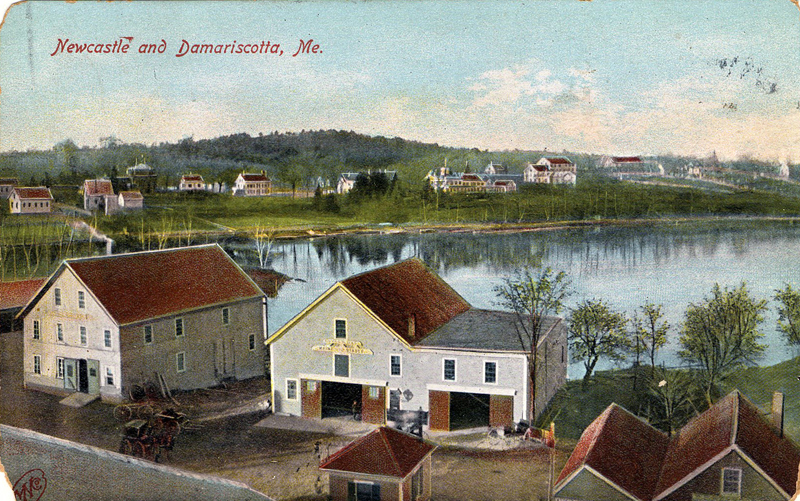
(191, 182)
(252, 185)
(30, 200)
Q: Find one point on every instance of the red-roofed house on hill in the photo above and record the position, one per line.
(30, 200)
(252, 185)
(385, 465)
(101, 324)
(624, 163)
(400, 344)
(728, 452)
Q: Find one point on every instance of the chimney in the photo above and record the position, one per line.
(777, 412)
(412, 327)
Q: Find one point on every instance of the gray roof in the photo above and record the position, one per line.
(475, 329)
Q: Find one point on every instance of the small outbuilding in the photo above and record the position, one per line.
(385, 465)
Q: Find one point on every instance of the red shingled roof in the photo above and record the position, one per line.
(470, 177)
(732, 420)
(408, 289)
(624, 449)
(385, 451)
(558, 160)
(621, 160)
(98, 187)
(33, 193)
(644, 462)
(143, 285)
(17, 294)
(192, 177)
(255, 177)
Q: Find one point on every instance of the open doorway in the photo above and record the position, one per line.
(469, 410)
(338, 399)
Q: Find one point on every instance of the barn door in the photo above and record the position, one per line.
(501, 411)
(311, 398)
(439, 406)
(373, 404)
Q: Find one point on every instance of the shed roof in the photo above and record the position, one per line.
(131, 195)
(385, 451)
(483, 329)
(624, 449)
(17, 294)
(143, 285)
(407, 292)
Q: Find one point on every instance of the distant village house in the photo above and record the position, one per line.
(252, 185)
(192, 182)
(7, 185)
(30, 200)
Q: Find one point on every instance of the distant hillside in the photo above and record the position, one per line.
(290, 158)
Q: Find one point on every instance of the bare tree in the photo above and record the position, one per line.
(532, 297)
(263, 237)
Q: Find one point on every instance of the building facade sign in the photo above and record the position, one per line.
(342, 347)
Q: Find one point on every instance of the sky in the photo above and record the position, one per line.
(617, 77)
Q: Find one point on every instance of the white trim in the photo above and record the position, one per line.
(700, 469)
(560, 485)
(400, 356)
(81, 299)
(109, 372)
(37, 364)
(177, 366)
(296, 389)
(345, 328)
(485, 362)
(58, 299)
(83, 335)
(494, 390)
(272, 377)
(764, 474)
(455, 370)
(37, 330)
(337, 379)
(59, 332)
(609, 482)
(108, 339)
(60, 368)
(468, 351)
(333, 364)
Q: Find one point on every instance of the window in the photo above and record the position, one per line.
(57, 296)
(395, 366)
(251, 342)
(449, 369)
(148, 334)
(107, 338)
(311, 386)
(83, 335)
(731, 480)
(37, 364)
(341, 329)
(490, 372)
(374, 392)
(363, 491)
(36, 332)
(341, 365)
(180, 361)
(59, 332)
(291, 389)
(226, 316)
(81, 299)
(178, 327)
(59, 368)
(109, 376)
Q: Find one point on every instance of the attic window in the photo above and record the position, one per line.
(81, 299)
(341, 329)
(731, 480)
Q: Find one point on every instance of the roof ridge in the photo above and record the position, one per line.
(389, 449)
(347, 448)
(133, 253)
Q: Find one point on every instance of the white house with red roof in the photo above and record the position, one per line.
(252, 185)
(30, 200)
(399, 344)
(98, 195)
(384, 465)
(192, 182)
(621, 163)
(552, 170)
(100, 324)
(728, 452)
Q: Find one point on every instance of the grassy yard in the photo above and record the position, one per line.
(577, 405)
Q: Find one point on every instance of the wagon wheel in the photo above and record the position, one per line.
(139, 449)
(122, 413)
(137, 393)
(125, 447)
(145, 411)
